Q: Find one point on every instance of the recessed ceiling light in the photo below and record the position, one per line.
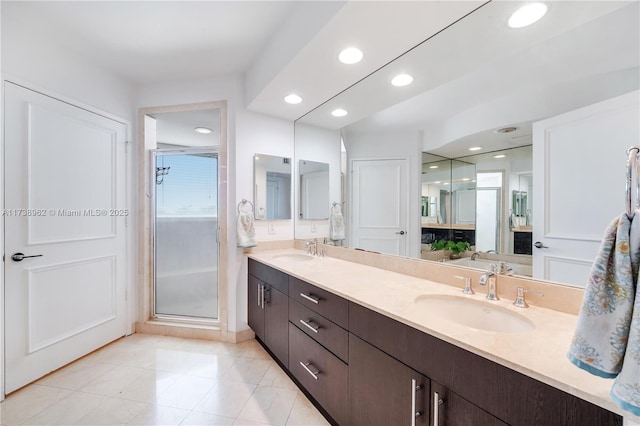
(402, 80)
(445, 183)
(292, 99)
(465, 179)
(499, 156)
(338, 112)
(203, 130)
(350, 55)
(433, 167)
(527, 15)
(257, 157)
(437, 181)
(475, 148)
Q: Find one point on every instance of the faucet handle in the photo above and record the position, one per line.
(520, 302)
(467, 284)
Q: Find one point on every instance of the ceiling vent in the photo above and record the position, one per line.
(506, 130)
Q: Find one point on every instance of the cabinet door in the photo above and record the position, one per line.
(382, 390)
(254, 310)
(449, 409)
(276, 323)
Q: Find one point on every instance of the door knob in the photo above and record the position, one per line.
(400, 233)
(18, 257)
(538, 244)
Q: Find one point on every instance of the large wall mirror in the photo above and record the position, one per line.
(272, 187)
(458, 142)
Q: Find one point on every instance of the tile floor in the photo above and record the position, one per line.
(156, 380)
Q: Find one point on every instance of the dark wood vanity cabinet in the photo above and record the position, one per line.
(360, 366)
(382, 390)
(268, 308)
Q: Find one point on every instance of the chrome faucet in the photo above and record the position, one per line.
(504, 269)
(492, 251)
(489, 278)
(520, 302)
(475, 255)
(312, 247)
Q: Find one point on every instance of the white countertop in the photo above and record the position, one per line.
(540, 353)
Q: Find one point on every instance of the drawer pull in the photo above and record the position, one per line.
(311, 298)
(310, 326)
(314, 374)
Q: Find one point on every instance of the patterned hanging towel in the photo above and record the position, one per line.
(600, 340)
(626, 388)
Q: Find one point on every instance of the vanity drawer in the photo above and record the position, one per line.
(321, 301)
(268, 275)
(328, 334)
(307, 359)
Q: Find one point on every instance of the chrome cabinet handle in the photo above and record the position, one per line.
(310, 326)
(414, 413)
(436, 404)
(311, 298)
(538, 244)
(306, 365)
(258, 296)
(18, 257)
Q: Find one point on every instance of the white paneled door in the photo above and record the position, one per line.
(579, 174)
(380, 227)
(65, 214)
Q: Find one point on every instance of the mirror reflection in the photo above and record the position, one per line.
(314, 189)
(475, 116)
(272, 187)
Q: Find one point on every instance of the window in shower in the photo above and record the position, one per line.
(186, 234)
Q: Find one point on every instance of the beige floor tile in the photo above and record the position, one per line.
(197, 419)
(269, 405)
(112, 411)
(153, 340)
(304, 413)
(211, 366)
(225, 399)
(277, 378)
(159, 415)
(67, 410)
(252, 349)
(116, 353)
(148, 385)
(242, 422)
(28, 402)
(185, 392)
(114, 381)
(247, 370)
(77, 375)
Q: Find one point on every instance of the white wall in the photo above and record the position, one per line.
(407, 144)
(320, 145)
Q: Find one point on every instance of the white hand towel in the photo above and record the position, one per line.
(336, 223)
(246, 229)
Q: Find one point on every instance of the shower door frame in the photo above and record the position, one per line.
(154, 153)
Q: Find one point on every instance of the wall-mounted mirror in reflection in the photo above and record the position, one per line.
(272, 187)
(492, 87)
(314, 189)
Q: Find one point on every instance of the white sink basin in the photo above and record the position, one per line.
(475, 313)
(294, 256)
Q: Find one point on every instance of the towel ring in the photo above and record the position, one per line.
(632, 163)
(243, 202)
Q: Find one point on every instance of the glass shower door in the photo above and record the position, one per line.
(185, 234)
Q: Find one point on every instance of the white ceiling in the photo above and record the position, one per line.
(177, 128)
(280, 46)
(154, 41)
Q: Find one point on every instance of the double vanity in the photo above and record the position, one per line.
(376, 347)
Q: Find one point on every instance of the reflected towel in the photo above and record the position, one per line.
(246, 229)
(600, 339)
(336, 223)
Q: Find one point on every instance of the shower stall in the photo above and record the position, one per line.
(185, 234)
